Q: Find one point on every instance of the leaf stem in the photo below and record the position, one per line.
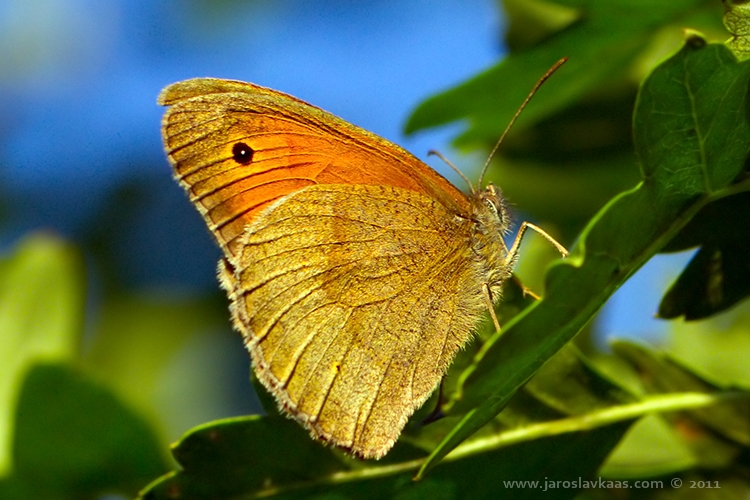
(648, 405)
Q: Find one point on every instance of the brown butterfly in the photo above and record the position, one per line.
(355, 271)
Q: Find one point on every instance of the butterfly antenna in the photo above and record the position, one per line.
(513, 120)
(432, 152)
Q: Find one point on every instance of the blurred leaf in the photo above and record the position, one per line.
(573, 386)
(571, 150)
(650, 448)
(602, 44)
(718, 276)
(74, 439)
(694, 485)
(692, 137)
(737, 22)
(717, 435)
(163, 353)
(713, 352)
(533, 21)
(663, 374)
(273, 456)
(266, 399)
(719, 347)
(41, 317)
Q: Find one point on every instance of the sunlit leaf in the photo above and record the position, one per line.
(41, 317)
(737, 21)
(692, 137)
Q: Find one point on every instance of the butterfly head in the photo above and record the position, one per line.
(491, 222)
(492, 210)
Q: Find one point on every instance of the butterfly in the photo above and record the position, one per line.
(355, 271)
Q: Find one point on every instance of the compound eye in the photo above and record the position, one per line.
(491, 205)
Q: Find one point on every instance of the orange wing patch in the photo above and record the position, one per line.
(238, 147)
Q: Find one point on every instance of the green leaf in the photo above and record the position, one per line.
(167, 358)
(692, 137)
(573, 386)
(737, 22)
(41, 317)
(567, 385)
(571, 150)
(74, 439)
(719, 347)
(532, 21)
(601, 46)
(664, 374)
(651, 448)
(274, 457)
(242, 455)
(716, 435)
(718, 276)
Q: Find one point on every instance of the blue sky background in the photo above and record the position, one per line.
(80, 80)
(78, 117)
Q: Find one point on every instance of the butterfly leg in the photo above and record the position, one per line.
(526, 291)
(490, 305)
(510, 259)
(437, 413)
(512, 255)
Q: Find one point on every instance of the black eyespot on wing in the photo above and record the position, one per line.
(242, 153)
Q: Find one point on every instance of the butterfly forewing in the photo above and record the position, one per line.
(238, 147)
